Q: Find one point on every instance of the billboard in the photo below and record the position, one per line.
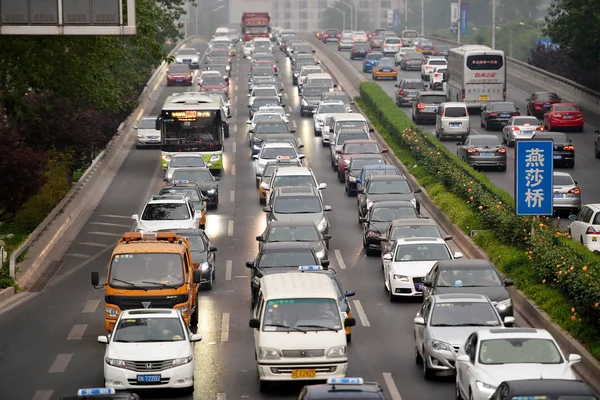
(454, 18)
(464, 14)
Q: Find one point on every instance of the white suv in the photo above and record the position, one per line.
(585, 227)
(271, 152)
(168, 212)
(430, 64)
(324, 109)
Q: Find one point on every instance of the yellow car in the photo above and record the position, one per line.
(232, 52)
(384, 70)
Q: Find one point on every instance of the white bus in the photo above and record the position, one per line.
(476, 75)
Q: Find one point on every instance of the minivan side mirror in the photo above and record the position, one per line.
(509, 282)
(419, 321)
(348, 322)
(509, 321)
(95, 278)
(249, 264)
(254, 323)
(428, 283)
(371, 130)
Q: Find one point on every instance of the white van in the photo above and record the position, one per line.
(353, 120)
(222, 31)
(408, 36)
(452, 120)
(299, 329)
(322, 79)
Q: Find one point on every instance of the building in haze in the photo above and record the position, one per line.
(238, 7)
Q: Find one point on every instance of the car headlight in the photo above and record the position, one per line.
(179, 60)
(166, 157)
(485, 387)
(337, 352)
(296, 74)
(413, 201)
(182, 361)
(212, 191)
(141, 137)
(439, 345)
(205, 266)
(304, 103)
(503, 305)
(215, 158)
(112, 312)
(369, 204)
(115, 362)
(352, 178)
(227, 67)
(401, 278)
(322, 225)
(268, 353)
(320, 254)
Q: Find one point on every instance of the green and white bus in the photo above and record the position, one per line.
(193, 122)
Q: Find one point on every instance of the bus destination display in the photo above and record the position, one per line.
(190, 115)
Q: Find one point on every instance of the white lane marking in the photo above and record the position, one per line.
(230, 228)
(361, 313)
(225, 328)
(78, 255)
(290, 108)
(234, 147)
(340, 260)
(235, 128)
(90, 307)
(232, 196)
(285, 95)
(116, 216)
(60, 363)
(391, 385)
(222, 396)
(77, 332)
(241, 277)
(106, 234)
(110, 224)
(233, 170)
(295, 124)
(94, 244)
(42, 395)
(228, 267)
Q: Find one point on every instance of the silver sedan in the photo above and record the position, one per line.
(520, 128)
(567, 195)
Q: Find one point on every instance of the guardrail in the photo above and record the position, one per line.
(60, 207)
(564, 87)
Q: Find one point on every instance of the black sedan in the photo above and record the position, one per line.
(360, 51)
(379, 218)
(483, 151)
(310, 99)
(543, 389)
(356, 162)
(296, 231)
(203, 254)
(470, 276)
(496, 115)
(564, 151)
(206, 181)
(263, 101)
(385, 188)
(280, 257)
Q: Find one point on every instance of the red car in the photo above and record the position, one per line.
(265, 61)
(540, 102)
(563, 115)
(179, 74)
(354, 147)
(212, 83)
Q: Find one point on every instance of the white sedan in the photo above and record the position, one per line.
(271, 152)
(263, 116)
(402, 53)
(324, 109)
(492, 356)
(519, 128)
(149, 348)
(405, 267)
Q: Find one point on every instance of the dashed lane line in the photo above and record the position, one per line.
(90, 307)
(230, 228)
(340, 260)
(391, 385)
(290, 108)
(77, 332)
(234, 147)
(42, 395)
(232, 196)
(78, 255)
(60, 363)
(110, 224)
(221, 396)
(228, 267)
(93, 244)
(361, 313)
(116, 216)
(295, 124)
(233, 170)
(225, 328)
(106, 234)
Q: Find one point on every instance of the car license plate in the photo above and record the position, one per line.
(455, 125)
(148, 378)
(179, 80)
(528, 132)
(546, 106)
(559, 196)
(487, 154)
(567, 116)
(484, 98)
(504, 115)
(304, 373)
(557, 157)
(594, 238)
(154, 141)
(419, 287)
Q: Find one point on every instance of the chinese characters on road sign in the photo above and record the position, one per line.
(533, 177)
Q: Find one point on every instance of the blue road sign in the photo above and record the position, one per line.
(534, 168)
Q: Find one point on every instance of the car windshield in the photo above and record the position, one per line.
(182, 191)
(331, 109)
(519, 351)
(361, 46)
(180, 162)
(155, 270)
(437, 62)
(358, 163)
(547, 96)
(422, 252)
(455, 112)
(219, 68)
(397, 186)
(344, 137)
(302, 315)
(293, 234)
(433, 99)
(508, 107)
(271, 153)
(336, 96)
(363, 148)
(262, 72)
(195, 241)
(314, 91)
(392, 41)
(464, 314)
(410, 35)
(320, 82)
(179, 68)
(271, 128)
(258, 103)
(219, 61)
(526, 121)
(264, 92)
(296, 258)
(307, 71)
(563, 180)
(297, 205)
(166, 212)
(413, 85)
(192, 176)
(566, 108)
(408, 231)
(265, 59)
(475, 277)
(294, 180)
(484, 140)
(148, 330)
(267, 117)
(303, 49)
(274, 110)
(352, 125)
(147, 124)
(213, 80)
(388, 214)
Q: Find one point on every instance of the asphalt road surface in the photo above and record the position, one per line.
(48, 344)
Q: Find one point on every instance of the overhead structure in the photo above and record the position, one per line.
(67, 17)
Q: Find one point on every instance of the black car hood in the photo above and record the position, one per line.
(495, 293)
(199, 257)
(390, 197)
(265, 135)
(377, 226)
(206, 185)
(312, 98)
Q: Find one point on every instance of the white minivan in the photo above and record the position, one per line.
(322, 79)
(299, 329)
(452, 120)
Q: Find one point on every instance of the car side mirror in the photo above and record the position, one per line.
(326, 237)
(448, 237)
(260, 238)
(348, 322)
(136, 217)
(248, 122)
(325, 264)
(338, 151)
(463, 358)
(509, 282)
(384, 150)
(458, 255)
(419, 321)
(135, 127)
(371, 130)
(294, 131)
(572, 217)
(267, 209)
(322, 186)
(428, 283)
(574, 358)
(249, 105)
(417, 191)
(459, 143)
(327, 208)
(255, 156)
(387, 257)
(350, 293)
(509, 321)
(331, 130)
(254, 323)
(197, 276)
(396, 85)
(103, 339)
(352, 102)
(250, 264)
(196, 337)
(251, 130)
(314, 51)
(212, 248)
(95, 278)
(283, 105)
(301, 156)
(301, 146)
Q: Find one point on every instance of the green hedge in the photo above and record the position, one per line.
(553, 258)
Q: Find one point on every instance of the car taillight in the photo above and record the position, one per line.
(569, 148)
(578, 115)
(537, 104)
(428, 66)
(539, 128)
(501, 150)
(401, 92)
(436, 75)
(514, 128)
(592, 231)
(169, 76)
(425, 60)
(338, 36)
(472, 150)
(420, 106)
(326, 35)
(492, 115)
(574, 191)
(516, 114)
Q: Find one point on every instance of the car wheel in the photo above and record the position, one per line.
(202, 226)
(209, 284)
(457, 391)
(391, 296)
(264, 386)
(262, 201)
(502, 168)
(349, 338)
(511, 143)
(194, 317)
(428, 373)
(580, 129)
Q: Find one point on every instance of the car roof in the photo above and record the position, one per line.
(560, 173)
(514, 333)
(460, 297)
(529, 387)
(365, 156)
(454, 104)
(467, 263)
(294, 171)
(331, 102)
(293, 222)
(377, 166)
(298, 285)
(276, 246)
(371, 390)
(167, 198)
(392, 203)
(193, 169)
(419, 240)
(375, 178)
(192, 185)
(184, 232)
(295, 191)
(149, 313)
(412, 221)
(277, 145)
(150, 117)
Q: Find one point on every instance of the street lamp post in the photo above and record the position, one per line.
(422, 17)
(343, 16)
(459, 20)
(494, 24)
(206, 19)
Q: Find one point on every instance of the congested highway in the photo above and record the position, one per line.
(49, 346)
(517, 92)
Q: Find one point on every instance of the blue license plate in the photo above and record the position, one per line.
(487, 154)
(559, 196)
(154, 141)
(419, 287)
(455, 125)
(148, 378)
(179, 80)
(557, 157)
(386, 70)
(546, 106)
(504, 115)
(528, 132)
(567, 116)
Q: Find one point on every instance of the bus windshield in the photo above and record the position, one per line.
(192, 131)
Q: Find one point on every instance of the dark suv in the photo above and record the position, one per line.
(331, 35)
(426, 105)
(408, 90)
